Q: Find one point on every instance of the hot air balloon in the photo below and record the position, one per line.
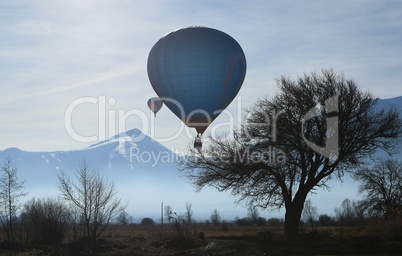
(155, 104)
(197, 72)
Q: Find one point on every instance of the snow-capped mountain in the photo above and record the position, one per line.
(130, 153)
(144, 172)
(129, 150)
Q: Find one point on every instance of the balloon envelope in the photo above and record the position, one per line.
(155, 104)
(197, 72)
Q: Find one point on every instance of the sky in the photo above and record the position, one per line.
(74, 72)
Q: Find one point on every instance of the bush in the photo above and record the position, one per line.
(46, 221)
(259, 221)
(275, 222)
(326, 221)
(147, 222)
(389, 227)
(180, 225)
(224, 226)
(243, 222)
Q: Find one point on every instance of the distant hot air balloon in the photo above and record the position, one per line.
(155, 104)
(197, 72)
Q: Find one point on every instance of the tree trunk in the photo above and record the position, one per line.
(292, 220)
(10, 214)
(293, 216)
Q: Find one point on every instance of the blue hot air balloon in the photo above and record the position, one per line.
(155, 104)
(197, 72)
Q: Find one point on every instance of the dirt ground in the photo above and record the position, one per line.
(230, 240)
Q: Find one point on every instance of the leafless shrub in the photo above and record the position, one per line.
(95, 199)
(46, 221)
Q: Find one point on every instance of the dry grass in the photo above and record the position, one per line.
(229, 240)
(385, 228)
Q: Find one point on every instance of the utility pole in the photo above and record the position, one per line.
(162, 213)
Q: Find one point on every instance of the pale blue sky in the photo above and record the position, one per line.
(55, 52)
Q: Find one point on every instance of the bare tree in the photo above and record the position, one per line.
(215, 217)
(95, 198)
(11, 190)
(316, 128)
(310, 213)
(168, 212)
(253, 217)
(122, 218)
(253, 214)
(381, 185)
(189, 213)
(348, 213)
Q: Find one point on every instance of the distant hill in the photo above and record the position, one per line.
(392, 102)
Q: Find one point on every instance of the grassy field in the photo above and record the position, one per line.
(229, 239)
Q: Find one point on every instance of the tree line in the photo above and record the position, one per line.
(351, 213)
(88, 205)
